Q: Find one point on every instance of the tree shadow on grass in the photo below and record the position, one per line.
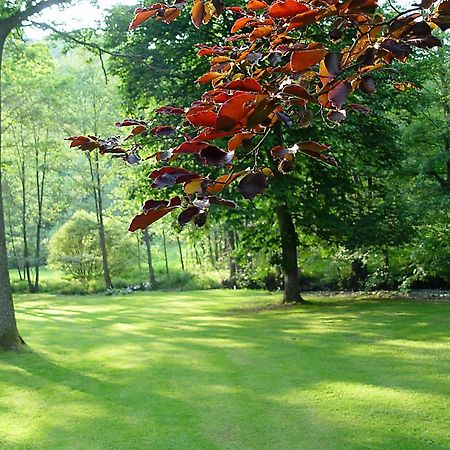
(191, 375)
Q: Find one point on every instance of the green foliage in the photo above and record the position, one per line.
(74, 248)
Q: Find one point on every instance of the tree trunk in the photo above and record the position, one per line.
(9, 335)
(289, 242)
(165, 253)
(151, 271)
(231, 261)
(181, 254)
(97, 191)
(26, 253)
(359, 273)
(40, 188)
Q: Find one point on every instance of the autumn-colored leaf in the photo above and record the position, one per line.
(143, 14)
(190, 147)
(286, 8)
(246, 84)
(305, 59)
(163, 130)
(153, 211)
(169, 110)
(254, 5)
(202, 118)
(130, 122)
(368, 85)
(253, 184)
(303, 19)
(223, 182)
(238, 139)
(339, 93)
(198, 13)
(210, 77)
(215, 156)
(297, 91)
(241, 23)
(84, 142)
(233, 111)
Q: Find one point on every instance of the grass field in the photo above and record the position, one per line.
(213, 370)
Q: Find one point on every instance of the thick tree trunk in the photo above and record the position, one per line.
(9, 335)
(151, 271)
(289, 242)
(359, 273)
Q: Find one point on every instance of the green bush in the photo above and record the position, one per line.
(75, 250)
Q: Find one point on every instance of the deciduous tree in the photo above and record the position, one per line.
(282, 64)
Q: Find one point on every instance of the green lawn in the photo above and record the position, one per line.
(209, 370)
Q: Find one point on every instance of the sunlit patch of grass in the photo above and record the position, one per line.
(226, 370)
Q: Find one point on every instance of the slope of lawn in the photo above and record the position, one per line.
(213, 370)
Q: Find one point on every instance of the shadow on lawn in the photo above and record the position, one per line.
(181, 374)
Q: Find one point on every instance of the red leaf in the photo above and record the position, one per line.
(241, 23)
(233, 111)
(153, 210)
(247, 84)
(286, 8)
(201, 118)
(223, 182)
(215, 156)
(254, 5)
(143, 14)
(163, 130)
(253, 184)
(338, 95)
(305, 59)
(303, 19)
(238, 139)
(169, 110)
(210, 135)
(298, 91)
(177, 171)
(190, 147)
(84, 142)
(130, 122)
(198, 13)
(209, 77)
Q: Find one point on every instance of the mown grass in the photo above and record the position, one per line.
(217, 370)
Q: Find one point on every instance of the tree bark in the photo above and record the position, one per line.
(359, 273)
(97, 191)
(289, 243)
(9, 334)
(165, 253)
(151, 271)
(40, 188)
(181, 254)
(231, 261)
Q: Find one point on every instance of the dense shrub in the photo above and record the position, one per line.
(74, 248)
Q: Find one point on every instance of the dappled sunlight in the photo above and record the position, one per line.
(195, 370)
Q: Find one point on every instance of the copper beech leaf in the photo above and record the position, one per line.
(253, 184)
(152, 211)
(286, 8)
(233, 111)
(305, 59)
(339, 93)
(215, 156)
(143, 14)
